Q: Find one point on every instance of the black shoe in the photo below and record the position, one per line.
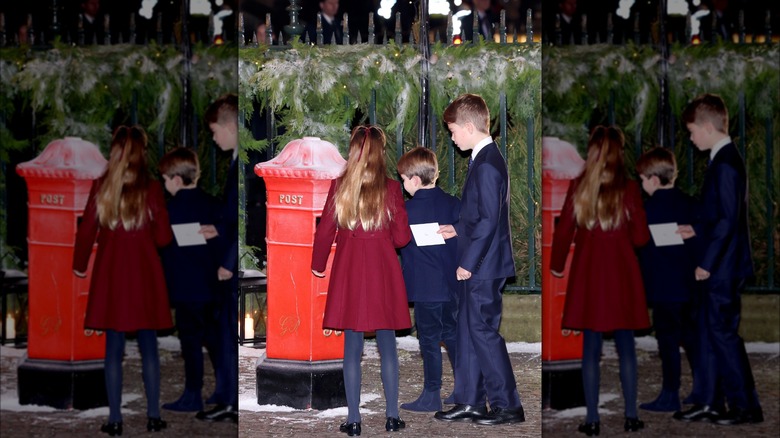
(219, 413)
(112, 429)
(698, 413)
(741, 416)
(461, 413)
(351, 429)
(502, 416)
(156, 424)
(589, 429)
(633, 424)
(393, 424)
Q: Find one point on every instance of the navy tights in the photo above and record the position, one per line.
(353, 354)
(150, 362)
(591, 356)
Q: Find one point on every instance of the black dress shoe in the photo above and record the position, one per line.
(461, 413)
(633, 424)
(741, 416)
(351, 429)
(502, 416)
(698, 413)
(219, 413)
(393, 424)
(112, 429)
(589, 429)
(156, 424)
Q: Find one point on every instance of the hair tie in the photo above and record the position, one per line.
(367, 130)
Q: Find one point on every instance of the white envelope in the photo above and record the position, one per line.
(426, 234)
(188, 235)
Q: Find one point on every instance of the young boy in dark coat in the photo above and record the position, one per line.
(428, 272)
(667, 273)
(189, 270)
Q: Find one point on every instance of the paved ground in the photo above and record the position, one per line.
(39, 421)
(272, 421)
(265, 420)
(765, 363)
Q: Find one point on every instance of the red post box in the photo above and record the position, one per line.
(561, 348)
(64, 364)
(302, 367)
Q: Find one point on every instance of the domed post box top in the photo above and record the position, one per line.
(560, 160)
(306, 158)
(67, 158)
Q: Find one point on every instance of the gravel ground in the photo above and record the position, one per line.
(764, 360)
(272, 421)
(256, 420)
(40, 421)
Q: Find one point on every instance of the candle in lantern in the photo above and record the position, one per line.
(249, 327)
(10, 327)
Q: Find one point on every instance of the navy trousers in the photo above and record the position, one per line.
(482, 366)
(674, 326)
(436, 323)
(192, 319)
(725, 361)
(223, 336)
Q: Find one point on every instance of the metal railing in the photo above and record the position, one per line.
(429, 130)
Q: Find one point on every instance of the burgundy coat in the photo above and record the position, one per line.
(127, 291)
(366, 290)
(605, 290)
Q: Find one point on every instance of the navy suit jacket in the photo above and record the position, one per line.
(429, 271)
(723, 222)
(484, 239)
(191, 271)
(667, 271)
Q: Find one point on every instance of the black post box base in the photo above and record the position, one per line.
(301, 384)
(562, 384)
(62, 384)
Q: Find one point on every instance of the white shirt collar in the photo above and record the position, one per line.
(718, 146)
(480, 144)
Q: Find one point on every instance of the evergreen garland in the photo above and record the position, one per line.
(320, 90)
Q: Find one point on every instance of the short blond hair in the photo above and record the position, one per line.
(420, 162)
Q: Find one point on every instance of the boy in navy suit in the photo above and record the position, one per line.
(723, 268)
(428, 270)
(482, 366)
(222, 118)
(666, 271)
(189, 270)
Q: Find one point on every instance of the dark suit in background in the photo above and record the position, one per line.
(723, 231)
(329, 31)
(483, 368)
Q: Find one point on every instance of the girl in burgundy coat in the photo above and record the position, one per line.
(126, 212)
(365, 213)
(603, 214)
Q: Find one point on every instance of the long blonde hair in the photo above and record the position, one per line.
(122, 193)
(360, 196)
(598, 199)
